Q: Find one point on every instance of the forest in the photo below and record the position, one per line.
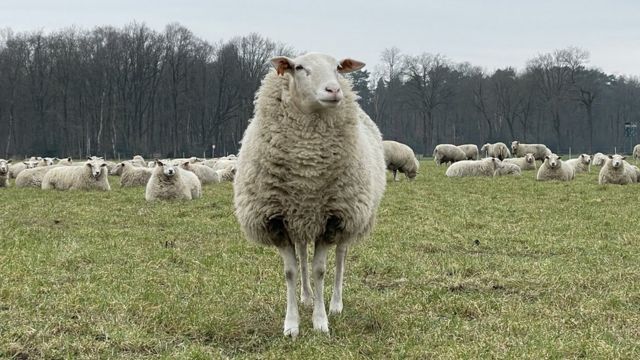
(116, 92)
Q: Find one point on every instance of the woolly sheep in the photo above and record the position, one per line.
(91, 176)
(4, 172)
(447, 153)
(138, 160)
(505, 169)
(599, 159)
(310, 170)
(204, 173)
(33, 177)
(226, 174)
(131, 175)
(169, 182)
(498, 150)
(15, 169)
(528, 162)
(553, 168)
(617, 171)
(580, 164)
(636, 152)
(539, 151)
(471, 151)
(484, 167)
(400, 157)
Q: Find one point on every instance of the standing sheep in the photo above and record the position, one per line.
(528, 162)
(4, 172)
(93, 175)
(617, 171)
(599, 159)
(131, 175)
(310, 170)
(447, 153)
(539, 151)
(400, 157)
(555, 169)
(169, 182)
(484, 167)
(580, 164)
(471, 151)
(204, 173)
(498, 150)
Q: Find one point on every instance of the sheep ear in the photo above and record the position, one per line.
(546, 157)
(349, 65)
(9, 161)
(158, 162)
(69, 158)
(610, 156)
(624, 157)
(282, 64)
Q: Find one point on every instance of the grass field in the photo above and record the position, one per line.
(456, 268)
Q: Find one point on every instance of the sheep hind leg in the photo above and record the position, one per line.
(306, 295)
(335, 307)
(395, 175)
(320, 320)
(292, 318)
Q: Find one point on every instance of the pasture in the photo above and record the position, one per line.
(456, 268)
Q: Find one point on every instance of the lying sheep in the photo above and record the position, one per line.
(15, 169)
(310, 170)
(33, 177)
(617, 171)
(528, 162)
(90, 176)
(206, 174)
(169, 182)
(471, 151)
(4, 172)
(484, 167)
(505, 169)
(447, 153)
(131, 175)
(400, 157)
(580, 164)
(553, 168)
(227, 174)
(599, 159)
(498, 150)
(636, 152)
(539, 151)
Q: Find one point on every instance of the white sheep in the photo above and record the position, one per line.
(226, 174)
(169, 182)
(498, 150)
(528, 162)
(580, 164)
(506, 168)
(617, 171)
(553, 168)
(131, 175)
(636, 152)
(400, 157)
(447, 153)
(204, 173)
(539, 151)
(483, 167)
(15, 169)
(599, 159)
(310, 170)
(4, 172)
(471, 151)
(93, 175)
(138, 160)
(33, 177)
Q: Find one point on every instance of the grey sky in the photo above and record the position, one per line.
(491, 34)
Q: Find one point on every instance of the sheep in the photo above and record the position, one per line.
(506, 168)
(528, 162)
(33, 177)
(4, 172)
(45, 161)
(617, 171)
(226, 174)
(447, 153)
(138, 160)
(553, 168)
(599, 159)
(65, 161)
(498, 150)
(471, 151)
(204, 173)
(484, 167)
(219, 164)
(400, 157)
(636, 152)
(169, 182)
(91, 176)
(131, 175)
(310, 169)
(539, 151)
(15, 169)
(580, 164)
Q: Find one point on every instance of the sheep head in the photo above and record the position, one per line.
(553, 161)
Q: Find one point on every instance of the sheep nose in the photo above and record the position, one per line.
(332, 89)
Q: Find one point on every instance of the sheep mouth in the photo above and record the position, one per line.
(330, 102)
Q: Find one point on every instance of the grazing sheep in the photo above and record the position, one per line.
(400, 157)
(539, 151)
(553, 168)
(169, 182)
(636, 152)
(4, 172)
(310, 170)
(471, 151)
(447, 153)
(599, 159)
(617, 171)
(204, 173)
(580, 164)
(90, 176)
(33, 177)
(15, 169)
(505, 169)
(498, 150)
(528, 162)
(484, 167)
(131, 175)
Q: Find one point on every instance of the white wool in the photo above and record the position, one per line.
(617, 171)
(33, 177)
(131, 175)
(553, 168)
(580, 164)
(4, 172)
(447, 153)
(539, 151)
(599, 159)
(204, 173)
(169, 182)
(400, 157)
(498, 150)
(93, 175)
(471, 151)
(528, 162)
(506, 169)
(484, 167)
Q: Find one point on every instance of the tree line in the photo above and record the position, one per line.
(132, 90)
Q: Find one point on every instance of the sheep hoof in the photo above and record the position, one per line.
(321, 325)
(335, 308)
(291, 330)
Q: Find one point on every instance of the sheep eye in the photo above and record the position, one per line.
(299, 67)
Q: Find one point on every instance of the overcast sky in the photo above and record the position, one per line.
(490, 33)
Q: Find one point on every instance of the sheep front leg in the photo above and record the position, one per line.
(306, 296)
(335, 307)
(395, 175)
(291, 319)
(320, 321)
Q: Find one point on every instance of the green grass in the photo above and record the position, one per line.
(456, 268)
